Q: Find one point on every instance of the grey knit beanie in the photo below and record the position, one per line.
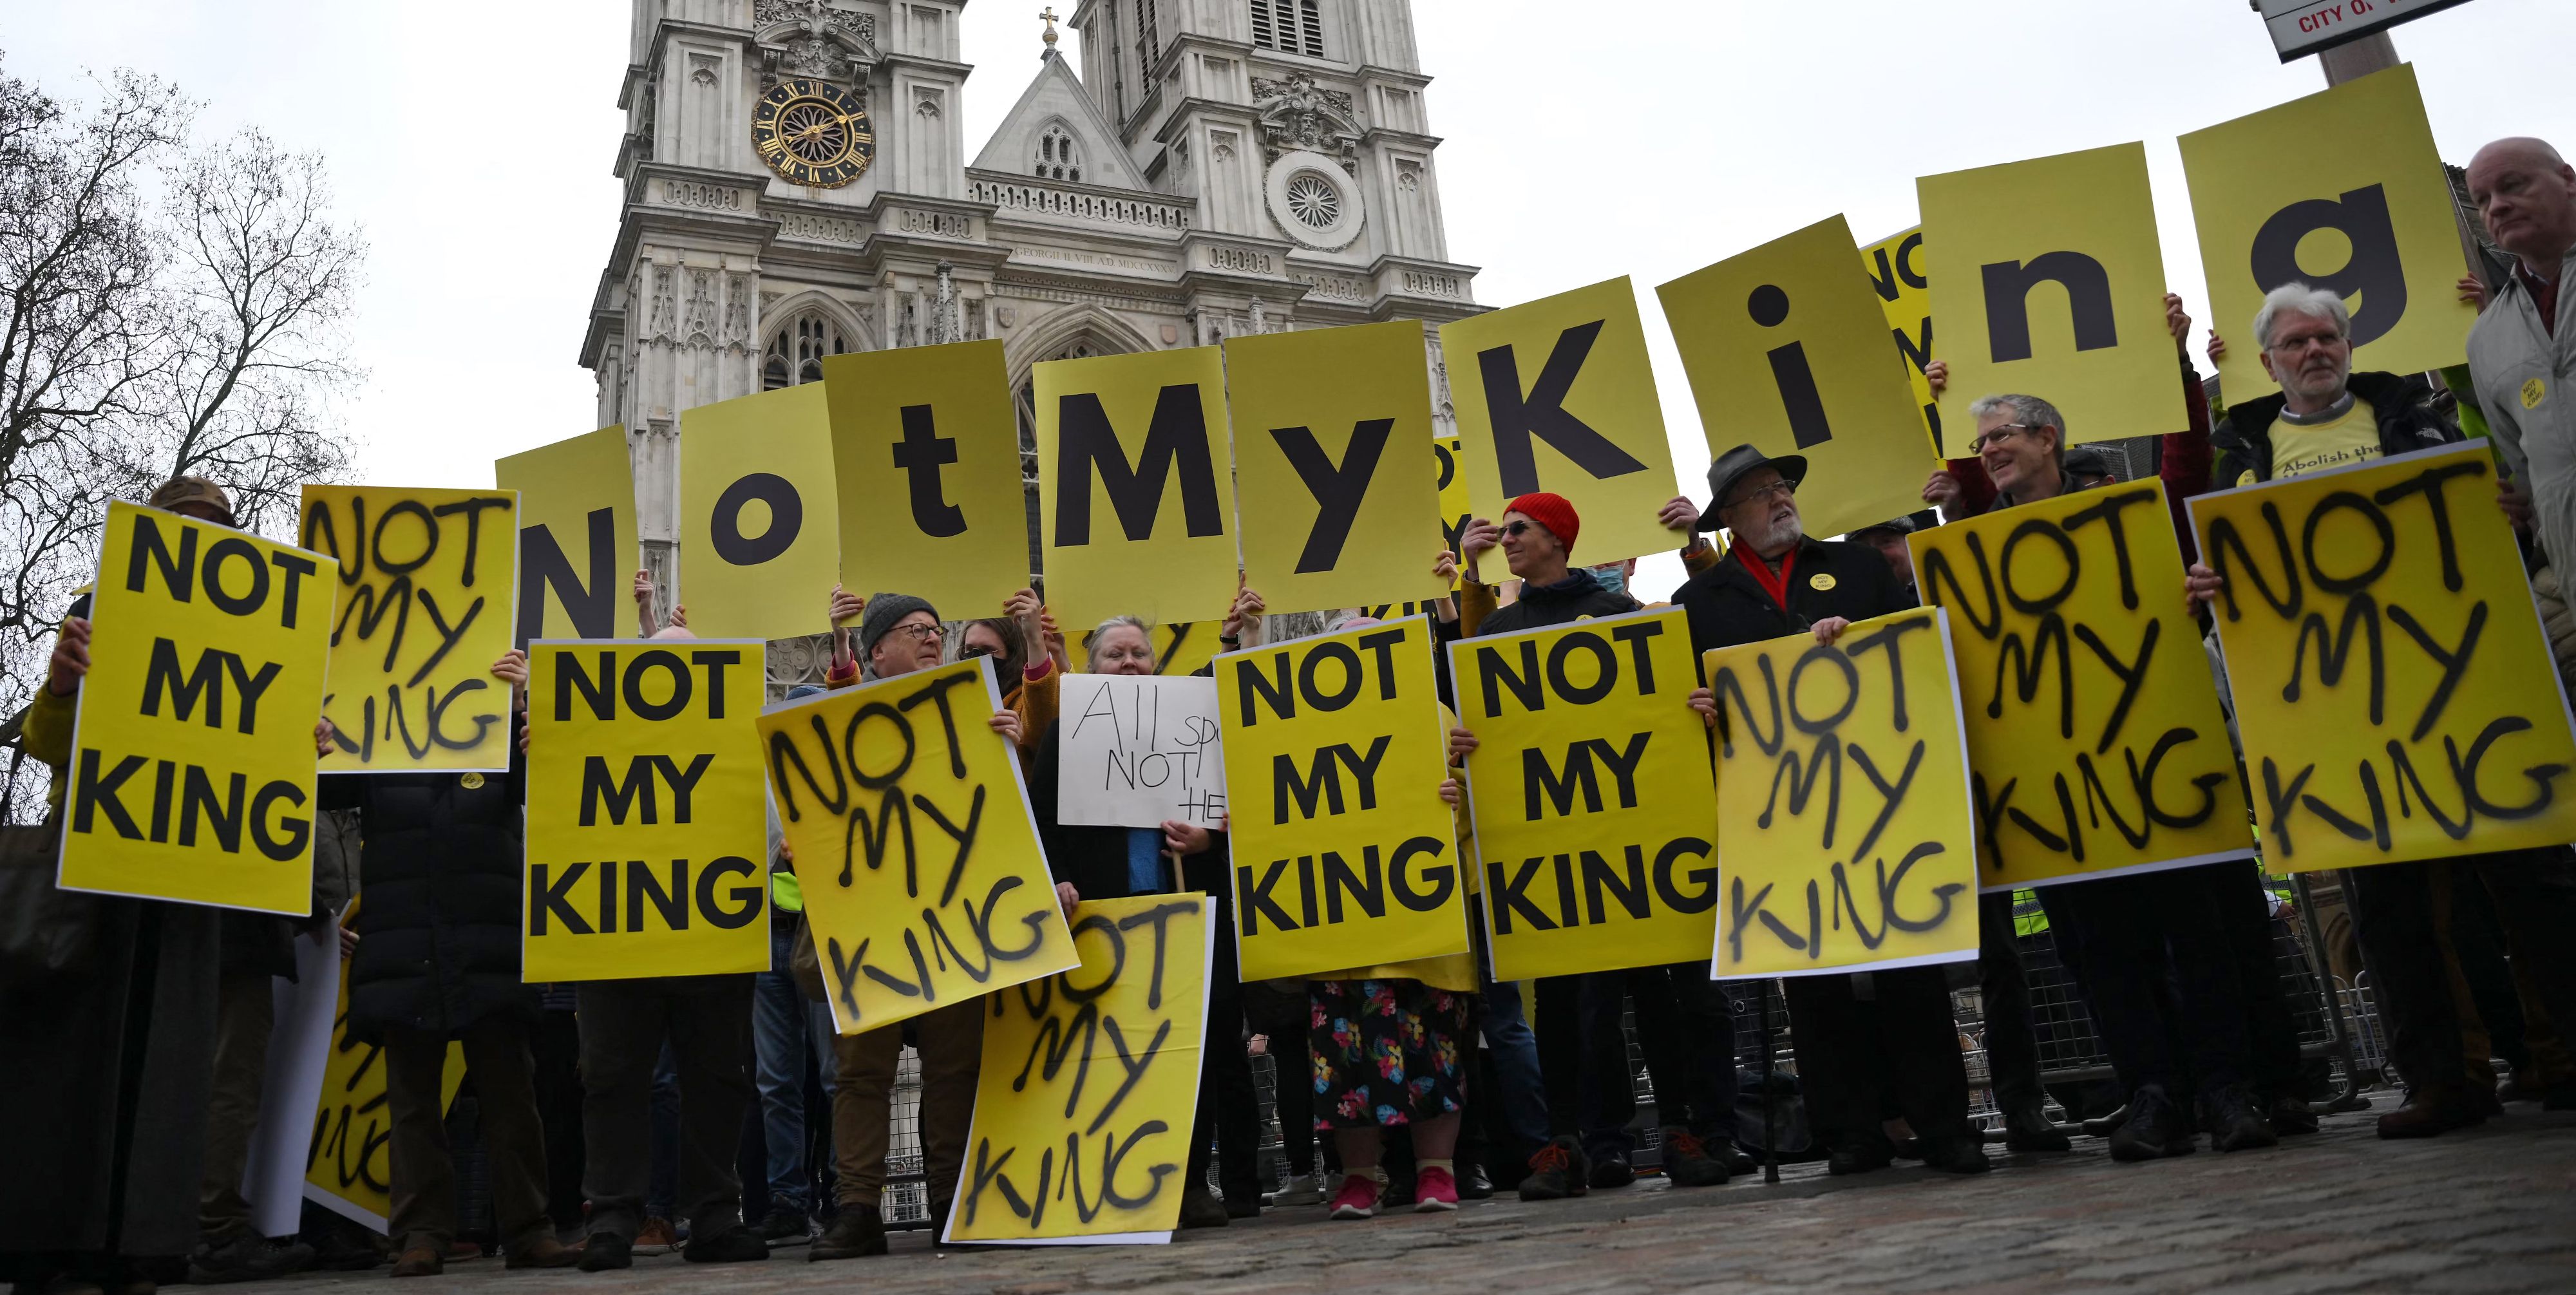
(883, 613)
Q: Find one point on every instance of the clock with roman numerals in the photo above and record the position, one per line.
(812, 132)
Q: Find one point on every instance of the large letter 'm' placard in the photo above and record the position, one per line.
(924, 880)
(1590, 790)
(1331, 421)
(2360, 208)
(1787, 350)
(926, 449)
(1344, 853)
(2394, 690)
(2048, 281)
(647, 832)
(425, 597)
(1557, 395)
(1090, 1080)
(1845, 838)
(1136, 489)
(2094, 730)
(192, 751)
(760, 529)
(577, 544)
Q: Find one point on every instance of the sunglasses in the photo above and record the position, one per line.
(1521, 528)
(973, 650)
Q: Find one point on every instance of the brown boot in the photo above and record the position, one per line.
(544, 1252)
(2430, 1112)
(420, 1261)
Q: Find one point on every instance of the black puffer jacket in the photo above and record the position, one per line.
(1580, 596)
(440, 888)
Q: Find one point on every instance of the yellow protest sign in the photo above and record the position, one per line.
(1089, 1144)
(2083, 685)
(648, 835)
(425, 597)
(1896, 273)
(1455, 512)
(760, 529)
(1787, 351)
(349, 1168)
(1330, 419)
(192, 749)
(1136, 486)
(1557, 395)
(2361, 207)
(1816, 881)
(1590, 794)
(2393, 689)
(937, 419)
(923, 877)
(1178, 649)
(577, 546)
(1344, 853)
(2048, 281)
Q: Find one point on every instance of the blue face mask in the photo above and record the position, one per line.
(1613, 577)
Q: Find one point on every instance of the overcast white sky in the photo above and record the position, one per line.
(473, 140)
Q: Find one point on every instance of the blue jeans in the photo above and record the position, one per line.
(782, 1020)
(1520, 1096)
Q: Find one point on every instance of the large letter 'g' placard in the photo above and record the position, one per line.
(2047, 280)
(2360, 208)
(2394, 690)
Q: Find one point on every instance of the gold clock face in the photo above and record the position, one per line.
(812, 132)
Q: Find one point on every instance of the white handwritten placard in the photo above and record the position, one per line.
(1138, 750)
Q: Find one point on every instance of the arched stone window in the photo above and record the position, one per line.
(1058, 158)
(796, 350)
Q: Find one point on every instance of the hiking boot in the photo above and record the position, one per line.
(2234, 1124)
(658, 1237)
(1355, 1199)
(2028, 1131)
(857, 1231)
(1298, 1189)
(419, 1261)
(1860, 1159)
(2153, 1129)
(2292, 1115)
(1560, 1169)
(2431, 1112)
(1611, 1169)
(244, 1256)
(733, 1245)
(785, 1225)
(604, 1251)
(545, 1252)
(1687, 1163)
(1201, 1209)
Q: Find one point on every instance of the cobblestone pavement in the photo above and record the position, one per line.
(2488, 1209)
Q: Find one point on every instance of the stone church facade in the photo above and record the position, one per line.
(1214, 167)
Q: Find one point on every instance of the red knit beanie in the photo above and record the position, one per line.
(1552, 512)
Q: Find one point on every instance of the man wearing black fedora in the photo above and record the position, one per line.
(1871, 1033)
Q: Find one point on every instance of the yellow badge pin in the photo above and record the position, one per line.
(2533, 392)
(470, 781)
(1821, 580)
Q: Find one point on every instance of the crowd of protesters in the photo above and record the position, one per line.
(132, 1047)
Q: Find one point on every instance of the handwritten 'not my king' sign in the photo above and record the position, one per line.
(1138, 751)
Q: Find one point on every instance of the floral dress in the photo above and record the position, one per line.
(1384, 1052)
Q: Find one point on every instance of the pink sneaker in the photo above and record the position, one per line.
(1434, 1190)
(1357, 1198)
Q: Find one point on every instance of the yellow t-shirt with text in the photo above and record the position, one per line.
(2352, 437)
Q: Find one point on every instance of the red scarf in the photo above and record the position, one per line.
(1775, 585)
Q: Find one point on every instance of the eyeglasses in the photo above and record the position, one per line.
(917, 633)
(1977, 444)
(1519, 528)
(1781, 489)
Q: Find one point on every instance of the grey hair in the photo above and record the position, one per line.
(2030, 411)
(1127, 622)
(2295, 298)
